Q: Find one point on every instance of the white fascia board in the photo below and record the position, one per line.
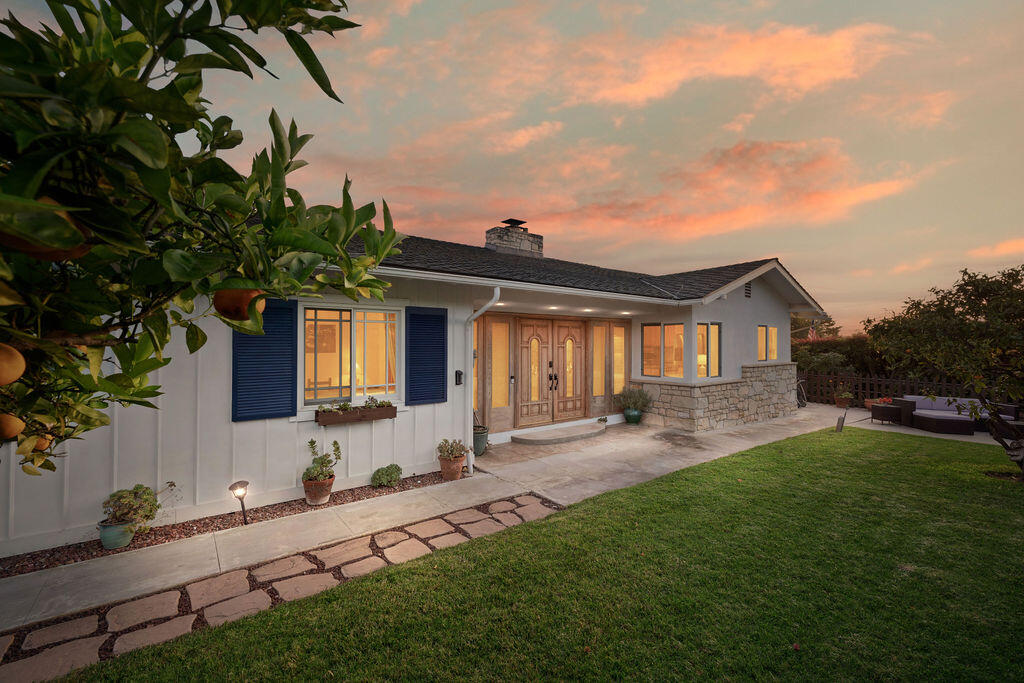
(754, 274)
(390, 271)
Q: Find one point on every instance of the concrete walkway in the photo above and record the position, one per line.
(564, 473)
(625, 455)
(48, 593)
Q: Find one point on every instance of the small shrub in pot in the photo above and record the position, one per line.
(318, 478)
(389, 475)
(128, 512)
(452, 456)
(633, 401)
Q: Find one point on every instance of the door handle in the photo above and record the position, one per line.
(556, 381)
(551, 382)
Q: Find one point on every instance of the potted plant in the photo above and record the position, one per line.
(129, 512)
(633, 401)
(843, 396)
(342, 413)
(452, 456)
(318, 478)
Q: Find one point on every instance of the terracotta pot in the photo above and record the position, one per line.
(233, 304)
(842, 402)
(318, 492)
(12, 364)
(44, 253)
(10, 426)
(43, 442)
(451, 469)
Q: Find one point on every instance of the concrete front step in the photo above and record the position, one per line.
(548, 437)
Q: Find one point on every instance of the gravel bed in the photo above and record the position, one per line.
(87, 550)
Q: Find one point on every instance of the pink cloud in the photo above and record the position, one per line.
(911, 266)
(1013, 247)
(513, 141)
(910, 109)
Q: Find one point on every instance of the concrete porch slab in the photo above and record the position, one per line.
(557, 435)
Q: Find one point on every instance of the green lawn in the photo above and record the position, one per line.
(881, 555)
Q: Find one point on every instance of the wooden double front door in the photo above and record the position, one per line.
(534, 370)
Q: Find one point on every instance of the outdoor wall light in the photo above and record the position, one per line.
(238, 490)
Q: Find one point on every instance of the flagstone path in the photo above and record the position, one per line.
(48, 650)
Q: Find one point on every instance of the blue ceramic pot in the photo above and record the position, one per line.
(479, 440)
(115, 535)
(633, 415)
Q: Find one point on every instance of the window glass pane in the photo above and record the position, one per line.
(773, 343)
(570, 369)
(618, 358)
(534, 369)
(599, 360)
(375, 358)
(702, 349)
(326, 354)
(499, 365)
(674, 350)
(392, 333)
(762, 352)
(713, 350)
(376, 354)
(651, 347)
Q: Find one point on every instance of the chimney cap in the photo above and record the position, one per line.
(513, 222)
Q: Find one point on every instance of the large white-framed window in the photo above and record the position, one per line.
(709, 350)
(349, 353)
(662, 350)
(767, 342)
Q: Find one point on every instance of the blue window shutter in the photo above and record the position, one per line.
(426, 355)
(263, 368)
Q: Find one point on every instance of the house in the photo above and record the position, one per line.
(498, 333)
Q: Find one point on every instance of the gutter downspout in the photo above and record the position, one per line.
(469, 372)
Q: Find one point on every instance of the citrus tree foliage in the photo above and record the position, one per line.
(119, 221)
(973, 333)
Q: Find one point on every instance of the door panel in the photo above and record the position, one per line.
(536, 373)
(500, 398)
(569, 385)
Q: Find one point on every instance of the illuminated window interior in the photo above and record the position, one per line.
(650, 344)
(534, 369)
(600, 359)
(762, 342)
(570, 367)
(618, 358)
(674, 350)
(708, 347)
(339, 364)
(499, 365)
(773, 343)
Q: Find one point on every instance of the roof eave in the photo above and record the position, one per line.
(774, 264)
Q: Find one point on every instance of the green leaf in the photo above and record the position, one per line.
(95, 355)
(144, 140)
(205, 60)
(302, 240)
(280, 137)
(184, 266)
(215, 170)
(14, 204)
(29, 469)
(27, 173)
(194, 337)
(9, 297)
(46, 465)
(15, 87)
(309, 60)
(126, 93)
(46, 229)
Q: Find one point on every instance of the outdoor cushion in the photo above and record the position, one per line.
(942, 414)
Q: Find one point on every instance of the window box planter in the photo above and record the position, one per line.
(337, 417)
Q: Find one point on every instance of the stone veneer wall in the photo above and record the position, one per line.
(765, 390)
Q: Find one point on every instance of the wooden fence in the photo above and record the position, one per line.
(823, 388)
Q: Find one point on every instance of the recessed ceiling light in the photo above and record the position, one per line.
(553, 308)
(588, 310)
(500, 303)
(625, 313)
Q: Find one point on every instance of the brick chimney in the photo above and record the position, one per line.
(512, 238)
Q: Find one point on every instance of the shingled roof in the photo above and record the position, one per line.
(423, 253)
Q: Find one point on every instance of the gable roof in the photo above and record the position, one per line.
(439, 256)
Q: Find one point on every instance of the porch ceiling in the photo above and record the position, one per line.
(520, 301)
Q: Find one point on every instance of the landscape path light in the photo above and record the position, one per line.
(238, 490)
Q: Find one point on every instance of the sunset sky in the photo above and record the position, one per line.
(875, 147)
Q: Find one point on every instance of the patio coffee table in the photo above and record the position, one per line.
(884, 412)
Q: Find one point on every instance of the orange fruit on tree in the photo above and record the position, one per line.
(10, 426)
(233, 304)
(12, 364)
(43, 442)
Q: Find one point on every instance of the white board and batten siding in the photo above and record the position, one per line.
(192, 441)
